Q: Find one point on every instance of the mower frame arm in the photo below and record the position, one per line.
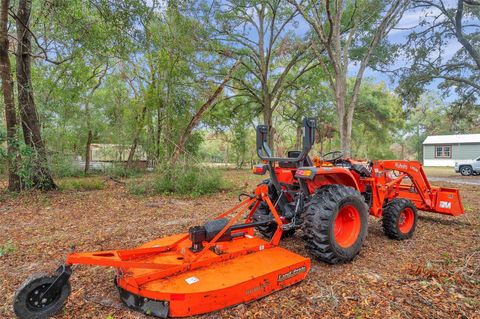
(264, 152)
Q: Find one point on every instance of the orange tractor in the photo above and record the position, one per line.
(222, 263)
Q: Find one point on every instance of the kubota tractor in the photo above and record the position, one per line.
(330, 198)
(223, 263)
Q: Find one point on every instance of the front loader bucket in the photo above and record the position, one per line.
(448, 201)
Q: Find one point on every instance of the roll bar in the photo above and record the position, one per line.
(264, 152)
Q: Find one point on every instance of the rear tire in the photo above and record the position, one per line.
(262, 213)
(28, 305)
(466, 170)
(399, 219)
(335, 224)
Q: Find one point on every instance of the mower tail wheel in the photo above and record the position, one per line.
(263, 213)
(335, 224)
(28, 302)
(399, 219)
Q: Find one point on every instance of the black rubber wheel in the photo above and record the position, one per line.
(399, 219)
(335, 224)
(466, 170)
(263, 213)
(27, 303)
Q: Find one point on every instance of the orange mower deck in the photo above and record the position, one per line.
(165, 278)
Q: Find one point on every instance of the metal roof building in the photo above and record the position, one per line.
(444, 150)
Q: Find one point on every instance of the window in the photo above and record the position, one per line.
(443, 151)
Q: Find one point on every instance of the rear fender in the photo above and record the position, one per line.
(329, 175)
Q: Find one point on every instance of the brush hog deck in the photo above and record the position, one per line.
(215, 286)
(217, 265)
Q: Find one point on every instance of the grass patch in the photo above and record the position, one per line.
(120, 171)
(191, 181)
(81, 184)
(7, 248)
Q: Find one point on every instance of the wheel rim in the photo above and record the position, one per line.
(405, 220)
(35, 303)
(347, 226)
(466, 171)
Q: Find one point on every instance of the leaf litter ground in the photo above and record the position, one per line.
(434, 275)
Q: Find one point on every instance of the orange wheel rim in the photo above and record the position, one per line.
(405, 220)
(347, 226)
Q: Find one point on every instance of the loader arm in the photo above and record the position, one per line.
(419, 191)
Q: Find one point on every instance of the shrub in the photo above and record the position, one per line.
(193, 181)
(120, 171)
(64, 166)
(81, 184)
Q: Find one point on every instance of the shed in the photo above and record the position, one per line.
(445, 150)
(103, 156)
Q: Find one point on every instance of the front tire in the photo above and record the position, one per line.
(335, 224)
(27, 303)
(466, 170)
(399, 219)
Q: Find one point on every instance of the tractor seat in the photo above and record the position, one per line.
(361, 170)
(295, 154)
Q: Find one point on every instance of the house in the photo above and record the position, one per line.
(445, 150)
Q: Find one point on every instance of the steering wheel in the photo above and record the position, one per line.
(335, 155)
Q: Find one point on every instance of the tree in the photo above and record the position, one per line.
(8, 99)
(377, 123)
(42, 178)
(201, 110)
(348, 31)
(260, 34)
(435, 57)
(428, 117)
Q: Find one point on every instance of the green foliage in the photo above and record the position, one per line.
(64, 166)
(428, 117)
(443, 52)
(134, 73)
(378, 118)
(120, 171)
(182, 180)
(7, 248)
(81, 184)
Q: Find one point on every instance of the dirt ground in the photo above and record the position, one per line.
(434, 275)
(447, 174)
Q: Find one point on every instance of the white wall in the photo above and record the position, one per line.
(439, 162)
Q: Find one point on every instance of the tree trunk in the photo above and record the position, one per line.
(42, 178)
(340, 94)
(298, 139)
(138, 129)
(321, 131)
(196, 118)
(159, 131)
(14, 184)
(348, 126)
(268, 121)
(87, 151)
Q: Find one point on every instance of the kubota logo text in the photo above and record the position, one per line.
(291, 273)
